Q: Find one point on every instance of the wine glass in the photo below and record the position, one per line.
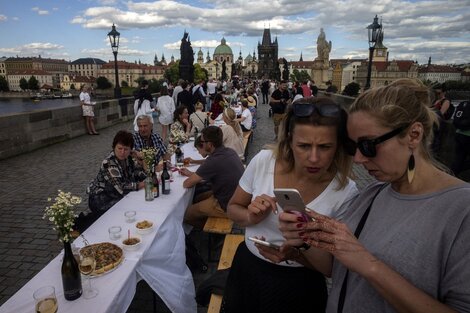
(87, 266)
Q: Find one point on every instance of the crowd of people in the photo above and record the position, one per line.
(398, 245)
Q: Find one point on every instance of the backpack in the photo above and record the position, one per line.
(462, 116)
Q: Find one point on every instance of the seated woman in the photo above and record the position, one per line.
(402, 245)
(310, 156)
(246, 117)
(218, 105)
(198, 119)
(180, 129)
(233, 136)
(118, 175)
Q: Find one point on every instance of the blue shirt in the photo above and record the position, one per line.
(155, 142)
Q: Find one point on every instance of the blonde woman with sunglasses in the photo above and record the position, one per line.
(402, 245)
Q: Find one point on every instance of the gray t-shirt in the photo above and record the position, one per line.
(425, 238)
(223, 169)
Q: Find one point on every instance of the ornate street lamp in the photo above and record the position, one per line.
(373, 30)
(114, 41)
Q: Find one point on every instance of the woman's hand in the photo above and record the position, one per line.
(292, 226)
(330, 235)
(284, 254)
(188, 159)
(260, 207)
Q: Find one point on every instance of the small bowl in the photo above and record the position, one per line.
(133, 245)
(144, 227)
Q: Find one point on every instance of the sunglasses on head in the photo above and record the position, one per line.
(307, 109)
(368, 146)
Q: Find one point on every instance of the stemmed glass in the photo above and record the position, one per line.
(87, 265)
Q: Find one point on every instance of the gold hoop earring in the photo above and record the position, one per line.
(411, 168)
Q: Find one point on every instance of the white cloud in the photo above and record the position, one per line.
(15, 18)
(40, 11)
(3, 18)
(35, 48)
(421, 21)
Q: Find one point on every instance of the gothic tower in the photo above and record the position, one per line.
(267, 57)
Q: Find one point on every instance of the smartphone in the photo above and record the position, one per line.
(289, 200)
(265, 243)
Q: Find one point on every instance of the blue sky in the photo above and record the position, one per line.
(70, 29)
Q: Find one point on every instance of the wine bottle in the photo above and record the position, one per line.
(165, 180)
(156, 185)
(71, 279)
(179, 155)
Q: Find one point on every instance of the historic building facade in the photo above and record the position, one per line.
(86, 66)
(439, 73)
(268, 67)
(131, 72)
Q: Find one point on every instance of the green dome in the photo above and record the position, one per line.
(223, 48)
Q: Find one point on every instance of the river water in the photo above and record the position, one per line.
(18, 105)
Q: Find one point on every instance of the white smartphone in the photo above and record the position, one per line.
(289, 199)
(265, 243)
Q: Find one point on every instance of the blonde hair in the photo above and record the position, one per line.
(230, 116)
(198, 106)
(342, 161)
(402, 103)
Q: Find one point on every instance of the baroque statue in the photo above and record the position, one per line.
(186, 66)
(323, 47)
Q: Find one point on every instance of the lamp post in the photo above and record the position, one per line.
(373, 30)
(114, 41)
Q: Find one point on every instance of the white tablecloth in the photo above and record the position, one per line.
(160, 260)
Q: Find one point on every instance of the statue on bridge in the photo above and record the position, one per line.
(186, 65)
(323, 47)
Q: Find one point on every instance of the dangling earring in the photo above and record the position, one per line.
(411, 168)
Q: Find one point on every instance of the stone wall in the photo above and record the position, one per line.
(24, 132)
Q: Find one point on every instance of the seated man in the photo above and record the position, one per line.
(222, 169)
(117, 176)
(146, 138)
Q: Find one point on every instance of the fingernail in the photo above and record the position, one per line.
(305, 239)
(300, 219)
(301, 234)
(300, 225)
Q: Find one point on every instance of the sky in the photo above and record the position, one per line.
(72, 29)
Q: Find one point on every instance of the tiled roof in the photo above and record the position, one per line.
(438, 69)
(88, 61)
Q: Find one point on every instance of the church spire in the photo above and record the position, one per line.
(301, 58)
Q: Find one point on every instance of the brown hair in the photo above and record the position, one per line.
(125, 138)
(342, 162)
(401, 103)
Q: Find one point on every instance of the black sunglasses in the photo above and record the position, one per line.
(367, 146)
(307, 109)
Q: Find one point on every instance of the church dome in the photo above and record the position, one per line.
(248, 58)
(223, 48)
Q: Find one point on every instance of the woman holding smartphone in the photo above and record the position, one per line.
(309, 156)
(402, 245)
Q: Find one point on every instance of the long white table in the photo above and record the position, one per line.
(160, 260)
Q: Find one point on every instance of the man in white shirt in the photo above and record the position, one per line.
(177, 90)
(211, 90)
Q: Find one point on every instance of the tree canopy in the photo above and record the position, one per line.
(3, 84)
(103, 83)
(33, 83)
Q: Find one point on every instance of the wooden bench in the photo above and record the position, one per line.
(216, 226)
(231, 243)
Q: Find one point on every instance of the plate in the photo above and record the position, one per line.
(146, 230)
(108, 253)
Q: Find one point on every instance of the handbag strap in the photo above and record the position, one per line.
(357, 232)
